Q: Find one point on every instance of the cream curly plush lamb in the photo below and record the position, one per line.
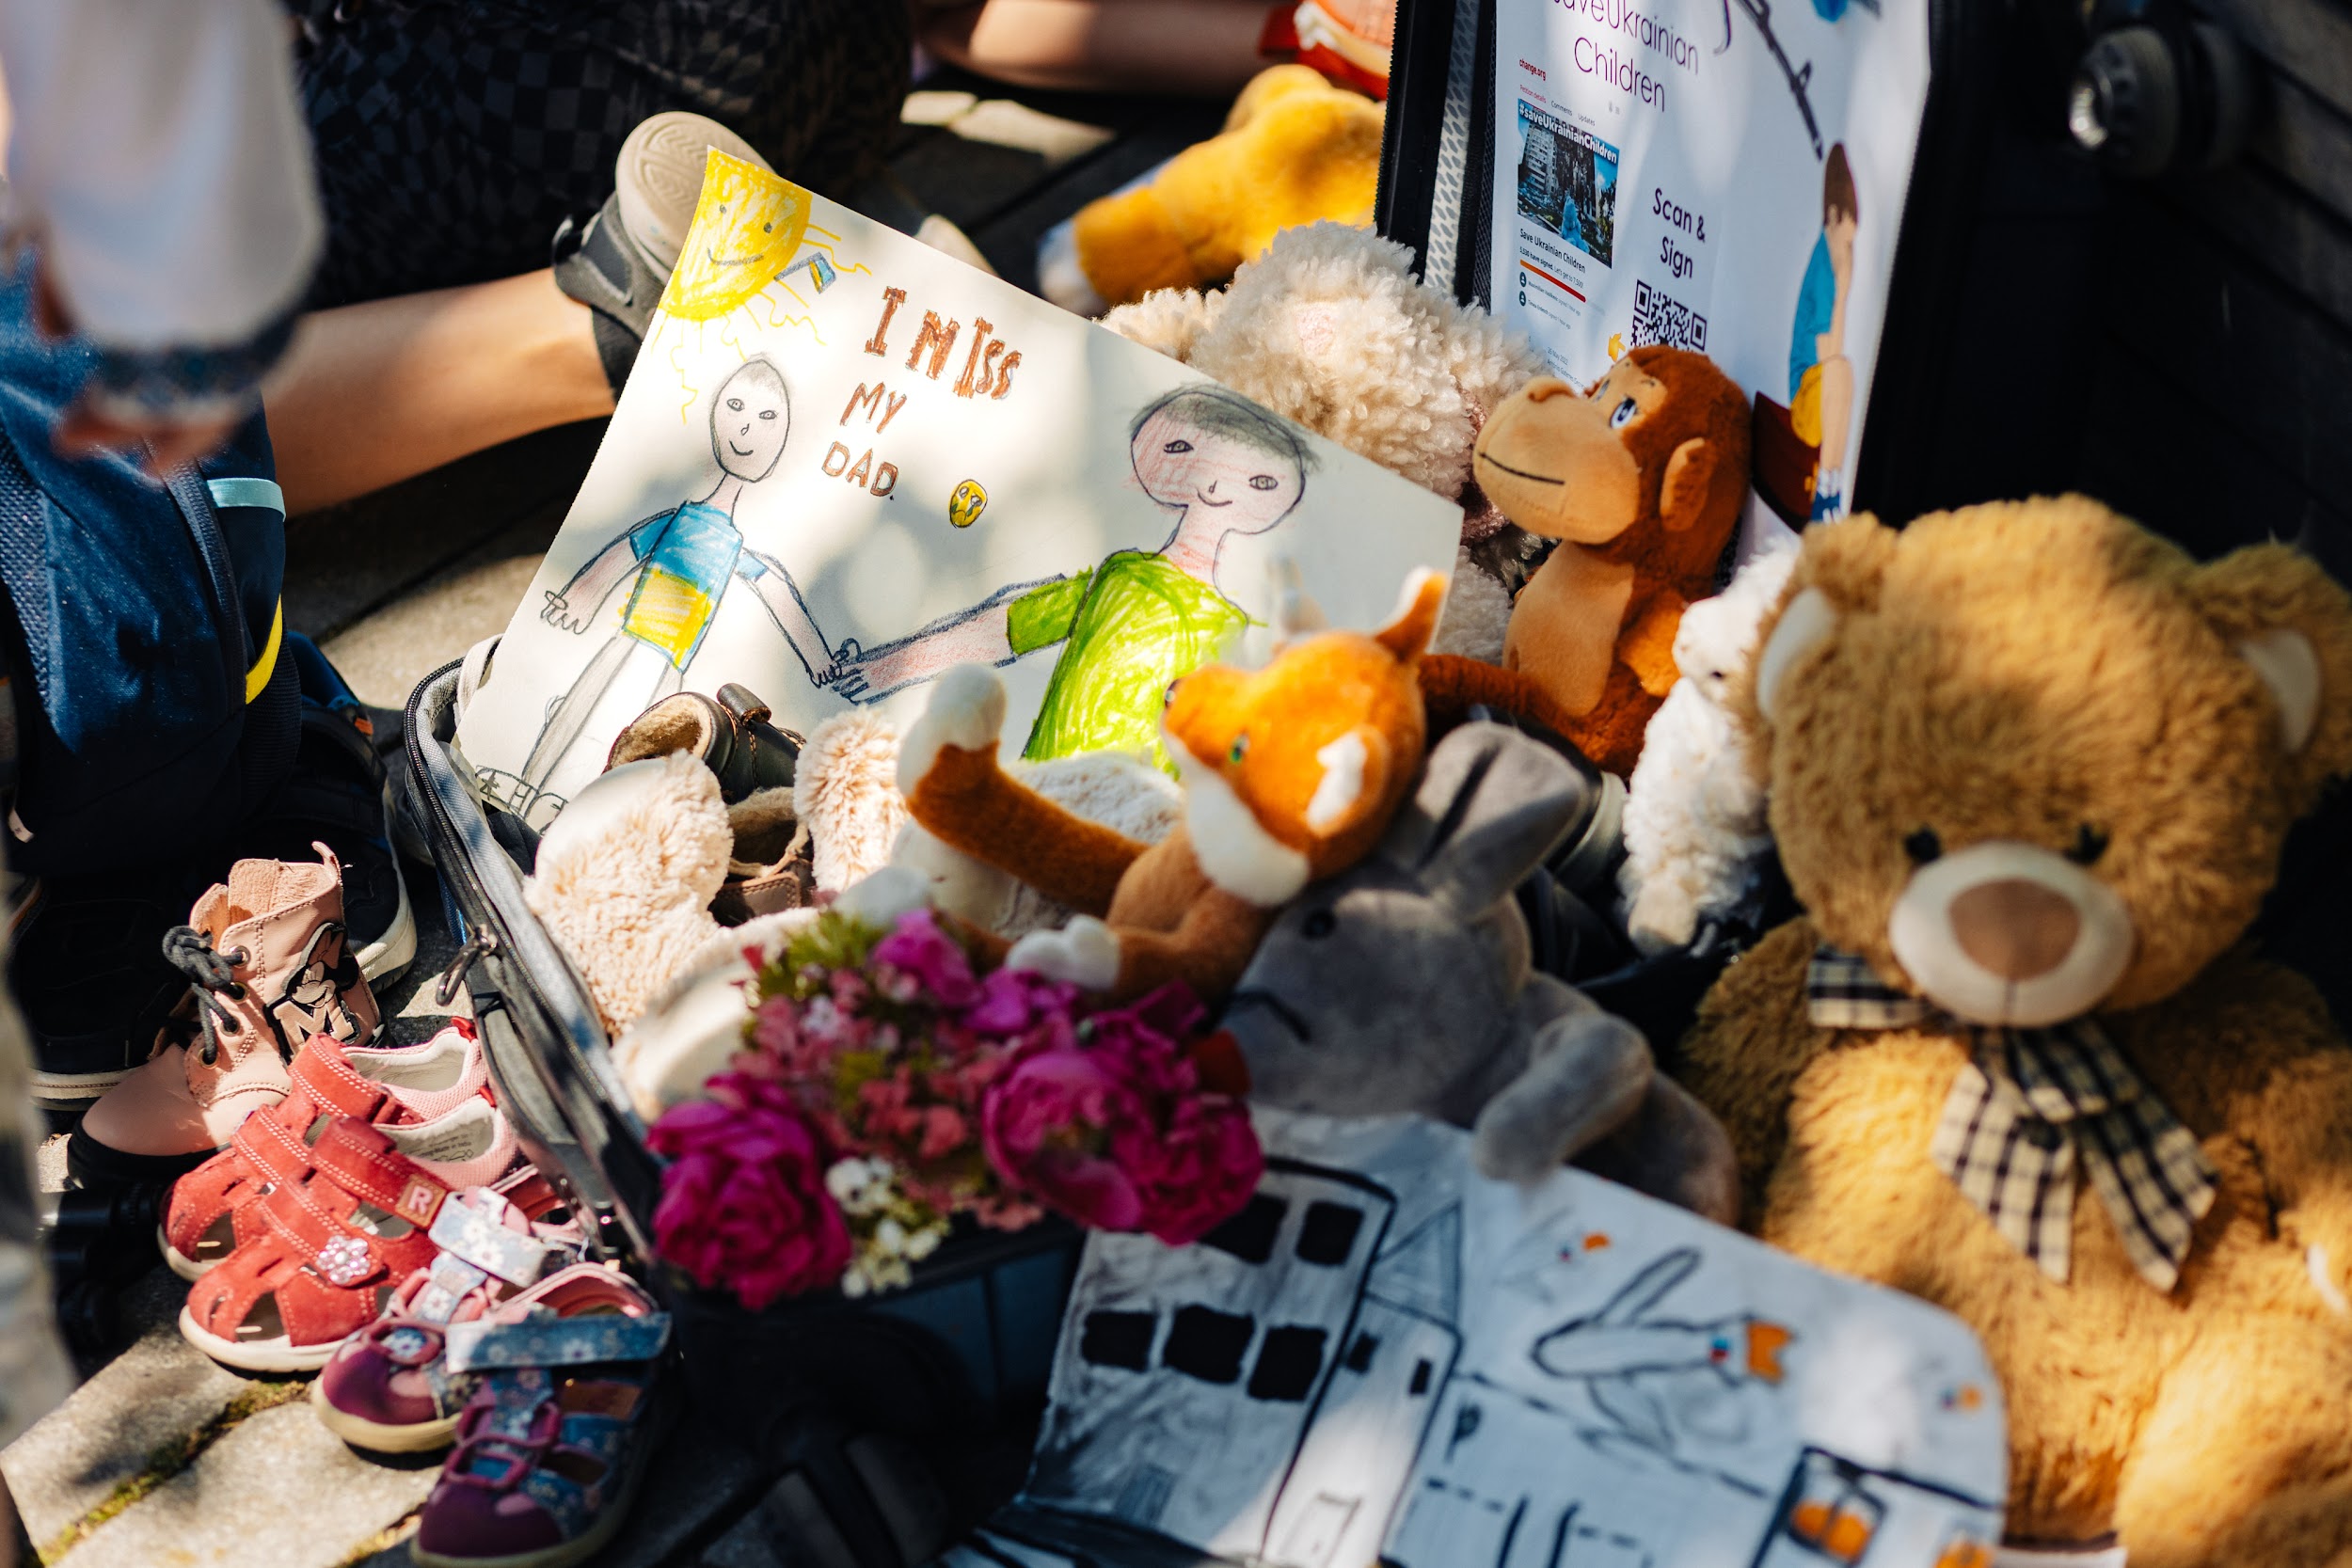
(1693, 815)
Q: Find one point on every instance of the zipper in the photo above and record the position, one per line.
(481, 945)
(486, 936)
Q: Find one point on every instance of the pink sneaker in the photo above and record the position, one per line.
(269, 967)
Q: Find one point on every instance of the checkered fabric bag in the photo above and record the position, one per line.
(454, 135)
(2030, 1106)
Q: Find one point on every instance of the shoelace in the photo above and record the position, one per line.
(190, 951)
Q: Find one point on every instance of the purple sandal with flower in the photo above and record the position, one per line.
(556, 1437)
(389, 1388)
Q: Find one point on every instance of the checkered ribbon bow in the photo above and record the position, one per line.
(2026, 1105)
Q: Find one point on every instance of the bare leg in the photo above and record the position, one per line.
(371, 394)
(1837, 411)
(1208, 47)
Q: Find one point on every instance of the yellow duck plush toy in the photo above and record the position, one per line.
(1295, 150)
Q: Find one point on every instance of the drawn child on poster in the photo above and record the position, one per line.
(679, 565)
(1141, 619)
(1820, 376)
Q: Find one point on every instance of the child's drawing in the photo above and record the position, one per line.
(959, 482)
(1387, 1358)
(1664, 1385)
(679, 565)
(1820, 376)
(1127, 627)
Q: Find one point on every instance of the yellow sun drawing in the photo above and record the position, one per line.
(745, 231)
(750, 241)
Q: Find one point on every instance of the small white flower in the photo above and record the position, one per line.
(840, 1181)
(860, 1186)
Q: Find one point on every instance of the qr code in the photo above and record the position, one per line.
(1660, 320)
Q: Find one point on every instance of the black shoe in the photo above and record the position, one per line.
(731, 736)
(596, 263)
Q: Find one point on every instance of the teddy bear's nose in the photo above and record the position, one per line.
(2016, 929)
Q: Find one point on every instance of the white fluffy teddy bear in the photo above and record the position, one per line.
(1693, 816)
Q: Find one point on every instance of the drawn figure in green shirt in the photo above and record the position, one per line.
(1141, 619)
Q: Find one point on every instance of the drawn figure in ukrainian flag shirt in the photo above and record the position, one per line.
(679, 565)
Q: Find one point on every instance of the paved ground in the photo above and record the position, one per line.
(164, 1460)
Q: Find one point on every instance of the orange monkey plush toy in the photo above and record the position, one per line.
(1291, 773)
(1641, 482)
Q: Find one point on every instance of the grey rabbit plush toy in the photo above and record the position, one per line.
(1405, 984)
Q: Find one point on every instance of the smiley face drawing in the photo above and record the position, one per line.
(965, 506)
(745, 232)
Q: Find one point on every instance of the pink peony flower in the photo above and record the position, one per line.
(1200, 1169)
(1015, 1000)
(920, 950)
(1112, 1131)
(743, 1200)
(1147, 1033)
(1053, 1126)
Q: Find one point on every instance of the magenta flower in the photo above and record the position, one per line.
(1199, 1169)
(1015, 1000)
(1110, 1129)
(920, 951)
(743, 1200)
(1052, 1125)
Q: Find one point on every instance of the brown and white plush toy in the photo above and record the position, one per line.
(2030, 768)
(1641, 480)
(1290, 772)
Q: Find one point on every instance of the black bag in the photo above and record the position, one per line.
(143, 629)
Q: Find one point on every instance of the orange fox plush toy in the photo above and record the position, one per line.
(1291, 773)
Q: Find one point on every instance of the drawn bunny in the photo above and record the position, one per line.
(1403, 984)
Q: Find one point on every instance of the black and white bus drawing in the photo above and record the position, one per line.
(1388, 1359)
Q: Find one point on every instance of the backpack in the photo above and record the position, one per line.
(144, 630)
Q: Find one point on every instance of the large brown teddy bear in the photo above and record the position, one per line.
(2030, 768)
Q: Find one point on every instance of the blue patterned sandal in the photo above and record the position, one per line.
(388, 1388)
(559, 1428)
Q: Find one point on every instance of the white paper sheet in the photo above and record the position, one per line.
(1390, 1358)
(943, 437)
(1661, 174)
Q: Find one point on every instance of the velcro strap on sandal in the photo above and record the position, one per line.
(276, 1152)
(445, 1287)
(474, 1231)
(480, 1346)
(528, 1190)
(323, 1071)
(362, 1162)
